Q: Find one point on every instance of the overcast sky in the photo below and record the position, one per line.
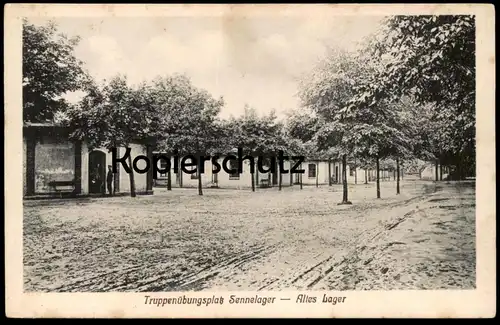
(247, 61)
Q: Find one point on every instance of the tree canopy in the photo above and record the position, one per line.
(432, 60)
(407, 95)
(50, 70)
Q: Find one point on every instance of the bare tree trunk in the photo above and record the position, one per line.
(253, 178)
(345, 199)
(131, 177)
(280, 180)
(397, 174)
(436, 169)
(344, 178)
(317, 174)
(459, 168)
(200, 187)
(366, 176)
(440, 171)
(329, 172)
(301, 177)
(179, 172)
(355, 172)
(169, 180)
(378, 178)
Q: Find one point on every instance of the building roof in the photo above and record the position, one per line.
(45, 128)
(51, 128)
(43, 125)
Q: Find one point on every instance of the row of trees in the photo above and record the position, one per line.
(408, 94)
(169, 112)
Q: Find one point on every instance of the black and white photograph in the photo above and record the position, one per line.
(272, 157)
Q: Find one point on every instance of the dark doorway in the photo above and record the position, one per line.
(97, 171)
(276, 174)
(336, 174)
(275, 178)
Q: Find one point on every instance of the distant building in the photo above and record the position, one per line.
(54, 165)
(316, 172)
(428, 172)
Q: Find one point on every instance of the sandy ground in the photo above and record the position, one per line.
(268, 240)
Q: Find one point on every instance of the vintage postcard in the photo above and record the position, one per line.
(257, 161)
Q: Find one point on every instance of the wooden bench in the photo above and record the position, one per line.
(57, 184)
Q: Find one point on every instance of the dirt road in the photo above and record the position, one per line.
(267, 240)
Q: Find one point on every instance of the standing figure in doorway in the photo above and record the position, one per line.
(96, 179)
(109, 180)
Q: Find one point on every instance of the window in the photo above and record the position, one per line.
(351, 171)
(233, 164)
(312, 170)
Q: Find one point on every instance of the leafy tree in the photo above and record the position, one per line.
(170, 110)
(378, 135)
(188, 119)
(327, 92)
(50, 70)
(167, 95)
(111, 116)
(432, 59)
(303, 124)
(258, 136)
(182, 119)
(301, 129)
